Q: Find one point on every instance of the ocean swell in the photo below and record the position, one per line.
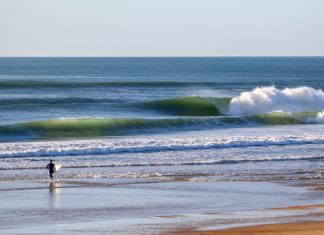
(96, 127)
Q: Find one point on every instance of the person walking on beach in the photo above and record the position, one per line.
(50, 167)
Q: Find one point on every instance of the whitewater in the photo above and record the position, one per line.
(271, 99)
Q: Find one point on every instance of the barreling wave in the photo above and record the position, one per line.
(180, 106)
(262, 100)
(191, 106)
(92, 127)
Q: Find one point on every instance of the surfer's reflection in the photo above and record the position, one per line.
(55, 189)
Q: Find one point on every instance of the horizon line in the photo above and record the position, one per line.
(226, 56)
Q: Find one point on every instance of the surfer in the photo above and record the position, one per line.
(50, 166)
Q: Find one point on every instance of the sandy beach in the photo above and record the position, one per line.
(303, 227)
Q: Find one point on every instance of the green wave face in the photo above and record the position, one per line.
(276, 118)
(90, 127)
(187, 106)
(280, 118)
(87, 127)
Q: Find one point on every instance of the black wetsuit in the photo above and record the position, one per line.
(50, 167)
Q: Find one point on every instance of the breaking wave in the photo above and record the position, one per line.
(261, 100)
(261, 106)
(271, 99)
(318, 119)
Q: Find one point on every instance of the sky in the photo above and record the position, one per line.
(161, 28)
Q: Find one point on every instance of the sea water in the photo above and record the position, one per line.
(198, 119)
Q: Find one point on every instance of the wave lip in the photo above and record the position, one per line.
(187, 106)
(191, 106)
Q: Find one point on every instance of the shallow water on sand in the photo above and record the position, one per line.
(83, 206)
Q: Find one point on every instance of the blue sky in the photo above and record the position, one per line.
(161, 28)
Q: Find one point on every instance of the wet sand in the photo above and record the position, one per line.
(300, 228)
(136, 206)
(303, 227)
(301, 207)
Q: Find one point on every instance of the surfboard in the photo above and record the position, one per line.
(57, 167)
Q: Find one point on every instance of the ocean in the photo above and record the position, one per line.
(199, 119)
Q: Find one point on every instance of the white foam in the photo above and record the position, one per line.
(271, 99)
(319, 119)
(147, 145)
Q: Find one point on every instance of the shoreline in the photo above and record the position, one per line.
(174, 207)
(306, 226)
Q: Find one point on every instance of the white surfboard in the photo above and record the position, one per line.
(57, 167)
